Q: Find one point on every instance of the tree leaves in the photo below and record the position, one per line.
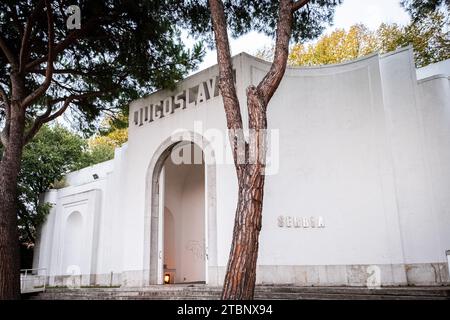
(420, 8)
(428, 37)
(124, 49)
(53, 152)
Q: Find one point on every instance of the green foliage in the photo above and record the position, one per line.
(52, 153)
(428, 37)
(244, 16)
(126, 49)
(337, 47)
(112, 134)
(419, 8)
(96, 154)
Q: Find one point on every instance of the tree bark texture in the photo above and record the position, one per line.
(240, 276)
(9, 171)
(13, 140)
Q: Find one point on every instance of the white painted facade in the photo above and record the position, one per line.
(363, 148)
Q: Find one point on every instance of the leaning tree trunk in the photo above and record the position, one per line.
(9, 171)
(240, 278)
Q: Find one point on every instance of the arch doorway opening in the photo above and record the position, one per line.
(182, 226)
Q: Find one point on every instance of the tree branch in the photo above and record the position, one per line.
(71, 38)
(47, 116)
(16, 19)
(8, 53)
(66, 71)
(299, 4)
(60, 111)
(37, 124)
(70, 90)
(226, 84)
(226, 79)
(267, 87)
(49, 73)
(25, 45)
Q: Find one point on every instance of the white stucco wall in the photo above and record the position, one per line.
(362, 145)
(434, 107)
(438, 68)
(92, 199)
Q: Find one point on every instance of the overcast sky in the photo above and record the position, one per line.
(369, 12)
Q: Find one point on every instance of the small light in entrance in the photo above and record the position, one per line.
(167, 278)
(95, 176)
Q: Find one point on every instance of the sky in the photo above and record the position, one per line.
(369, 12)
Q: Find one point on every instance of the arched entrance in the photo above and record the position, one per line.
(183, 225)
(188, 258)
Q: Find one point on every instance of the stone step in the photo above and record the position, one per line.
(426, 291)
(261, 292)
(273, 297)
(407, 291)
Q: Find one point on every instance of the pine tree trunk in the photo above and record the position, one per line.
(240, 278)
(9, 240)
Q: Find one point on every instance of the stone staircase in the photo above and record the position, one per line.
(203, 292)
